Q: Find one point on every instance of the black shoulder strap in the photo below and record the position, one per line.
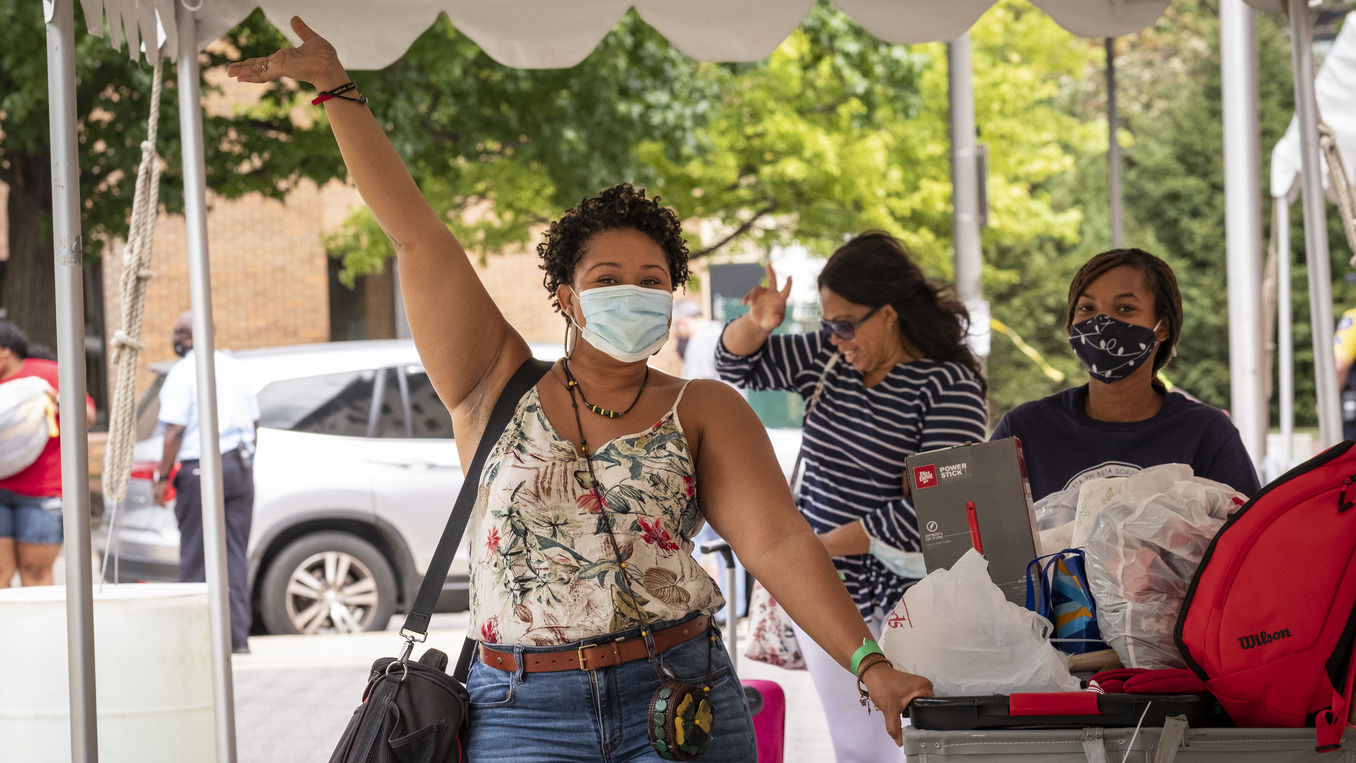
(527, 375)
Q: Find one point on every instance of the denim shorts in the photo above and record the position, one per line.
(600, 715)
(30, 520)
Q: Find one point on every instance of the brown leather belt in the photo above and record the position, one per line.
(594, 656)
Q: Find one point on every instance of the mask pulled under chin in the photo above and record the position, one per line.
(627, 322)
(180, 349)
(1110, 349)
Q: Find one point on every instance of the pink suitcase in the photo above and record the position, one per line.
(769, 723)
(766, 699)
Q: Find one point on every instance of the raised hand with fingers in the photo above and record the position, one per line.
(313, 61)
(767, 304)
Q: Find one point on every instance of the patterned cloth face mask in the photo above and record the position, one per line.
(1110, 349)
(628, 322)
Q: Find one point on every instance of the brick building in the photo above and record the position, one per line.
(274, 284)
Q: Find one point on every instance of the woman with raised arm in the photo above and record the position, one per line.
(584, 591)
(906, 383)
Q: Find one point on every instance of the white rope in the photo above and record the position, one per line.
(136, 261)
(1337, 181)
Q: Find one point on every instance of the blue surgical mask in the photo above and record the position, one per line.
(1110, 349)
(628, 322)
(906, 564)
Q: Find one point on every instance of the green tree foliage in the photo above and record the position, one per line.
(804, 146)
(1186, 221)
(1024, 67)
(1168, 85)
(835, 133)
(112, 100)
(498, 150)
(1175, 176)
(838, 132)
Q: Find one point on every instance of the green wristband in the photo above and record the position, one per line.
(868, 647)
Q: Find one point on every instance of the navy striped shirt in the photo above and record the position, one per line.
(856, 439)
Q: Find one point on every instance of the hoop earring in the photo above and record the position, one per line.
(569, 349)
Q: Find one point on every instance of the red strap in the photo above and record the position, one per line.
(1053, 703)
(1332, 722)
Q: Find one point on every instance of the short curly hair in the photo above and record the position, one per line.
(620, 207)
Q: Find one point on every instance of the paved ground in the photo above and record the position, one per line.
(294, 694)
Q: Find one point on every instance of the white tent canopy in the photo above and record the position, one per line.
(544, 34)
(1333, 86)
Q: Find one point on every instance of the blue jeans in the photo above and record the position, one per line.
(599, 715)
(28, 519)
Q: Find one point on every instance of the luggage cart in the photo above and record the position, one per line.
(1173, 741)
(767, 701)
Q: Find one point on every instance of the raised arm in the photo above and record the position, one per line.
(466, 345)
(745, 498)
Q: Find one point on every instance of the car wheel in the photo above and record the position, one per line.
(329, 582)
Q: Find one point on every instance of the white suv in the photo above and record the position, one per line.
(354, 475)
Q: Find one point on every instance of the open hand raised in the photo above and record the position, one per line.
(314, 61)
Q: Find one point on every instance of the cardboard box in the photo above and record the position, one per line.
(977, 491)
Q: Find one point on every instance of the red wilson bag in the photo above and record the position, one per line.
(1270, 619)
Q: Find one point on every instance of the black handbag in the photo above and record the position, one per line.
(413, 711)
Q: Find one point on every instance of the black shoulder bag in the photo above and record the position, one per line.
(414, 712)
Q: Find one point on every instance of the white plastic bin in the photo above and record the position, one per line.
(153, 674)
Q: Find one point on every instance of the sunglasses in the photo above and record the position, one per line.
(848, 329)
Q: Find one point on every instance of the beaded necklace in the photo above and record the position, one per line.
(572, 384)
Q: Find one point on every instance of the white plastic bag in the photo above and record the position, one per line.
(1055, 520)
(26, 422)
(1143, 548)
(1096, 494)
(956, 627)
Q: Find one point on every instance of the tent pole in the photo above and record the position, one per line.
(965, 181)
(70, 318)
(1315, 223)
(1113, 154)
(1285, 339)
(1243, 226)
(204, 345)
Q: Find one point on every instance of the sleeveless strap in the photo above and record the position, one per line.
(679, 399)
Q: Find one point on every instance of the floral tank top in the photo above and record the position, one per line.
(543, 571)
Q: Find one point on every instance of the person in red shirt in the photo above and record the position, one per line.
(30, 501)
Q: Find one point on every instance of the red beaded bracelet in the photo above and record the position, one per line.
(338, 92)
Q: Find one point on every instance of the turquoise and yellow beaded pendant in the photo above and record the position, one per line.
(680, 720)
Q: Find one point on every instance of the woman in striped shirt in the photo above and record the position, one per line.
(907, 383)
